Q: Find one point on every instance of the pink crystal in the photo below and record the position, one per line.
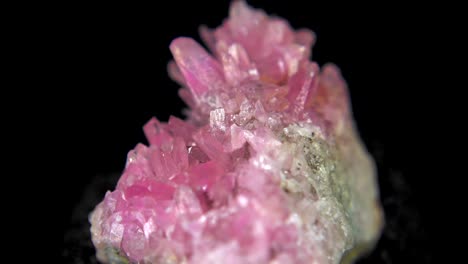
(267, 168)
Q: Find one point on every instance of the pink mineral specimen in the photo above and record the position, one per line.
(267, 168)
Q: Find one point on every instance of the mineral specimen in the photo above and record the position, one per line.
(267, 168)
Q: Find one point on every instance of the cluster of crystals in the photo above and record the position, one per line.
(214, 188)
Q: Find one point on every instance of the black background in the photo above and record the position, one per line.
(118, 54)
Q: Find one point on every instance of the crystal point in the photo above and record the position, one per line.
(199, 69)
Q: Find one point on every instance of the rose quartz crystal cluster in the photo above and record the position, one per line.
(267, 168)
